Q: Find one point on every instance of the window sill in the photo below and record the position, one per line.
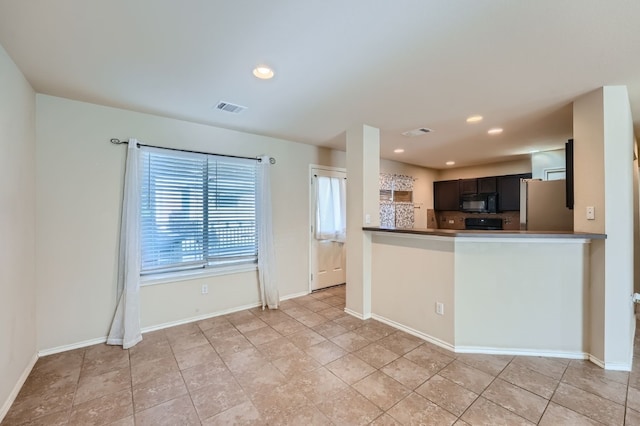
(171, 277)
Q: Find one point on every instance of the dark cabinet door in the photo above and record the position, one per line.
(468, 186)
(509, 191)
(446, 195)
(487, 184)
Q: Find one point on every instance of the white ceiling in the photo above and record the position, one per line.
(396, 65)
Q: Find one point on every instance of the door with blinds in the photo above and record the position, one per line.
(328, 229)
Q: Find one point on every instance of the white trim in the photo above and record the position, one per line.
(596, 361)
(520, 352)
(72, 346)
(483, 350)
(357, 314)
(295, 295)
(199, 318)
(550, 170)
(16, 389)
(614, 366)
(617, 366)
(148, 329)
(423, 336)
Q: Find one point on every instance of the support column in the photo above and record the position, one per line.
(363, 169)
(604, 179)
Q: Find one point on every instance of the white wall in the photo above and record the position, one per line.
(17, 228)
(540, 161)
(619, 221)
(493, 169)
(79, 191)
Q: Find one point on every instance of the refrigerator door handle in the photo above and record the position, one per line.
(523, 204)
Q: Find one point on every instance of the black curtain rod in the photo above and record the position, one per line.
(117, 141)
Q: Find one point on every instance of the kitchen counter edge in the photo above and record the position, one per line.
(487, 234)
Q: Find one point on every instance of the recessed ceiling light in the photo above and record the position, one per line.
(398, 151)
(495, 131)
(450, 163)
(263, 72)
(474, 119)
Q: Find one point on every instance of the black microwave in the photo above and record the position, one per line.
(479, 203)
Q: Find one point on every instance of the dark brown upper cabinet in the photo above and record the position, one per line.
(487, 184)
(468, 186)
(446, 195)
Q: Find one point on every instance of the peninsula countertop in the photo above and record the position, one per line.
(487, 234)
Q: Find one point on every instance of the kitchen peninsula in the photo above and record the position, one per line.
(509, 292)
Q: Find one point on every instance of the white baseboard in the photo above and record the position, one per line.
(295, 295)
(520, 352)
(99, 340)
(198, 318)
(357, 314)
(483, 349)
(64, 348)
(413, 332)
(16, 389)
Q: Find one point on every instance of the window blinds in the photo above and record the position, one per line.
(198, 211)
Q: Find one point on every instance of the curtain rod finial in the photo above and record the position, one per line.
(116, 141)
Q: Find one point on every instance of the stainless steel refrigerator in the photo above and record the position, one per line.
(543, 206)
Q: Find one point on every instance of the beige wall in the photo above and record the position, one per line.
(410, 274)
(604, 178)
(17, 228)
(522, 296)
(79, 191)
(363, 195)
(497, 298)
(494, 169)
(588, 160)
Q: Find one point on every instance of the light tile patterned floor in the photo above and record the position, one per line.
(311, 364)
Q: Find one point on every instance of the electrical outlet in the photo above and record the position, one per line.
(591, 213)
(367, 219)
(439, 308)
(205, 289)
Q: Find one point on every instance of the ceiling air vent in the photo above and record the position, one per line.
(229, 107)
(417, 132)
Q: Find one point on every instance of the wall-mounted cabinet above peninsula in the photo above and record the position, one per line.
(447, 193)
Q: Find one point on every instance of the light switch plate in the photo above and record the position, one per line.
(591, 213)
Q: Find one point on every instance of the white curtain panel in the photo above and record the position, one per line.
(125, 328)
(266, 253)
(331, 209)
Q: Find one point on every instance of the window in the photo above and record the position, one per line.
(197, 211)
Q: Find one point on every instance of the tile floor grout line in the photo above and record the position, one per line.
(356, 329)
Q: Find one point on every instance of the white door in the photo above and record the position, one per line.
(328, 228)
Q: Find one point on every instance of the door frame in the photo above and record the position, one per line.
(312, 216)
